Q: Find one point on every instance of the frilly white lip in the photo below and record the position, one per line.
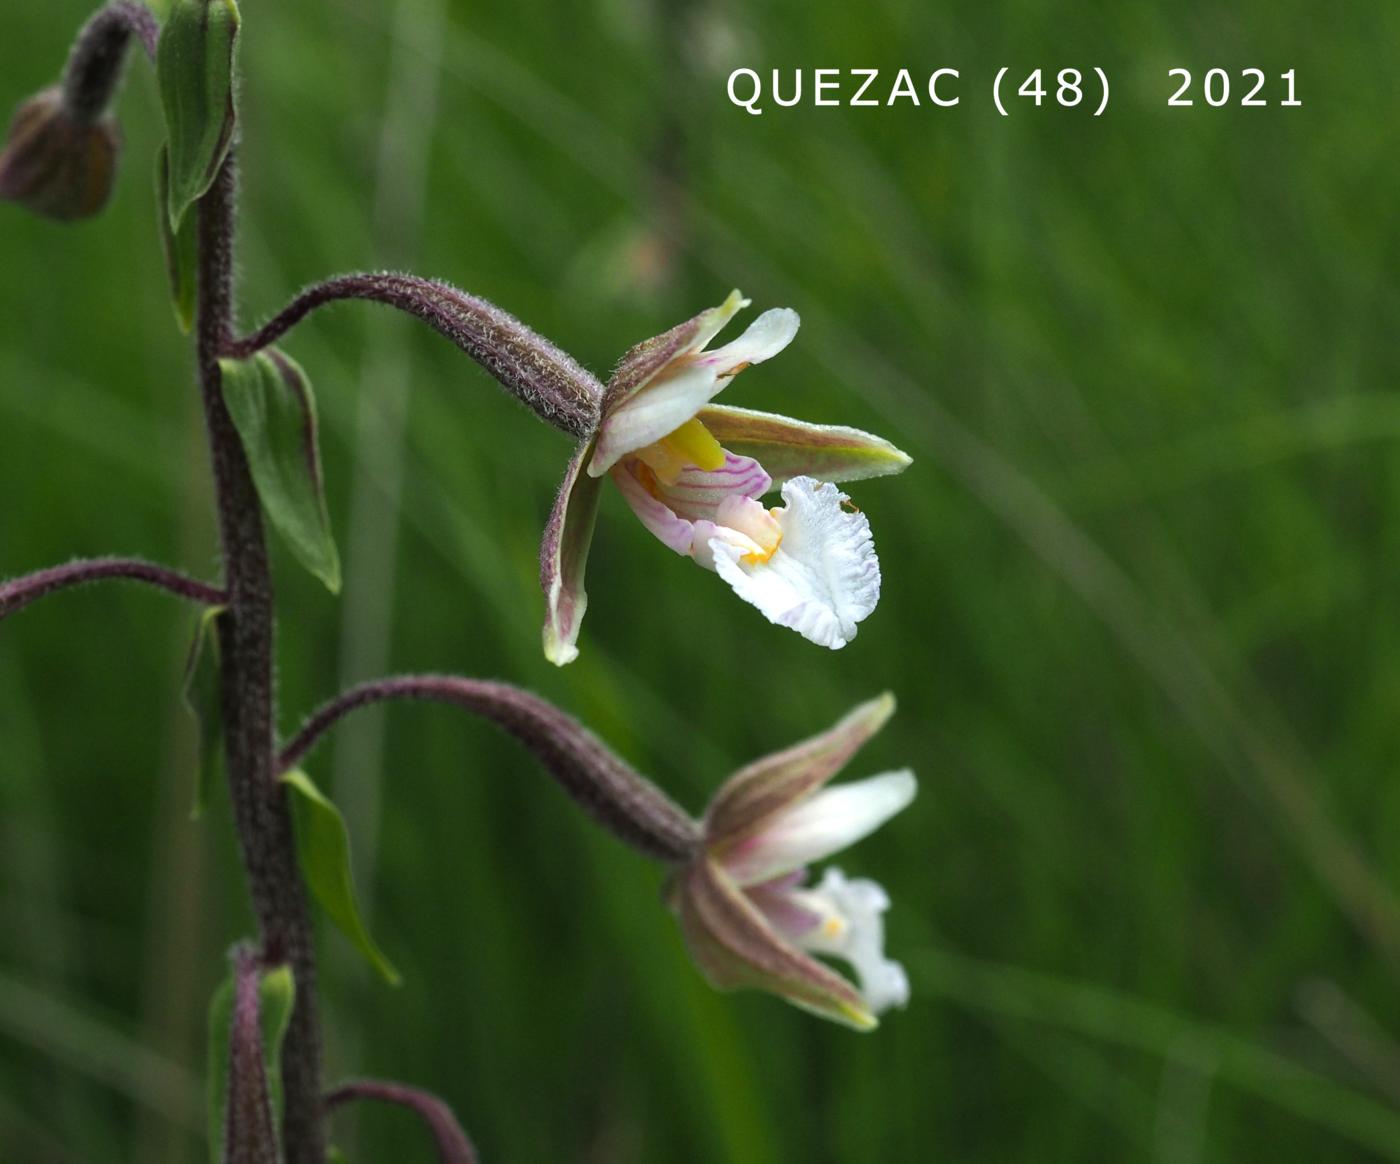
(850, 925)
(824, 576)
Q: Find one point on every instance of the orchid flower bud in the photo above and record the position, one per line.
(56, 165)
(60, 157)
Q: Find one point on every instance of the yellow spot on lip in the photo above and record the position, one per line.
(690, 445)
(759, 556)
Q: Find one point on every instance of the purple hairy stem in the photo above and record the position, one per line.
(95, 63)
(453, 1147)
(631, 807)
(18, 593)
(249, 1137)
(535, 371)
(260, 809)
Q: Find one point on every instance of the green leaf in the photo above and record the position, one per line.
(335, 1156)
(195, 65)
(181, 248)
(270, 400)
(202, 697)
(323, 846)
(276, 993)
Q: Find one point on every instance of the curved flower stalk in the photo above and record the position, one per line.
(739, 877)
(694, 472)
(748, 915)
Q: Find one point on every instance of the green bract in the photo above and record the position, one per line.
(195, 69)
(203, 699)
(323, 846)
(270, 400)
(181, 249)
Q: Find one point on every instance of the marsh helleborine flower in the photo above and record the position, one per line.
(748, 916)
(694, 472)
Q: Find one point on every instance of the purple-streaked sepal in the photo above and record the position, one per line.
(663, 396)
(564, 556)
(737, 948)
(647, 358)
(754, 795)
(788, 448)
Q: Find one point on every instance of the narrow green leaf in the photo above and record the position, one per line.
(270, 400)
(276, 993)
(195, 66)
(202, 698)
(180, 246)
(323, 846)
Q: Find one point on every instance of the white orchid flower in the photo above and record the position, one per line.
(748, 917)
(694, 472)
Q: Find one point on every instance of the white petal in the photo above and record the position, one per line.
(853, 928)
(655, 411)
(687, 384)
(763, 339)
(822, 824)
(823, 579)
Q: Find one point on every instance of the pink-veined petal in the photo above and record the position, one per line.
(676, 532)
(698, 493)
(682, 514)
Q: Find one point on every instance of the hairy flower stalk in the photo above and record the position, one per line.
(18, 593)
(539, 374)
(95, 64)
(628, 805)
(451, 1142)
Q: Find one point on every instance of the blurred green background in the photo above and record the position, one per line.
(1140, 587)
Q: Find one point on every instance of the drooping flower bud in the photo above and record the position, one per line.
(60, 158)
(55, 165)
